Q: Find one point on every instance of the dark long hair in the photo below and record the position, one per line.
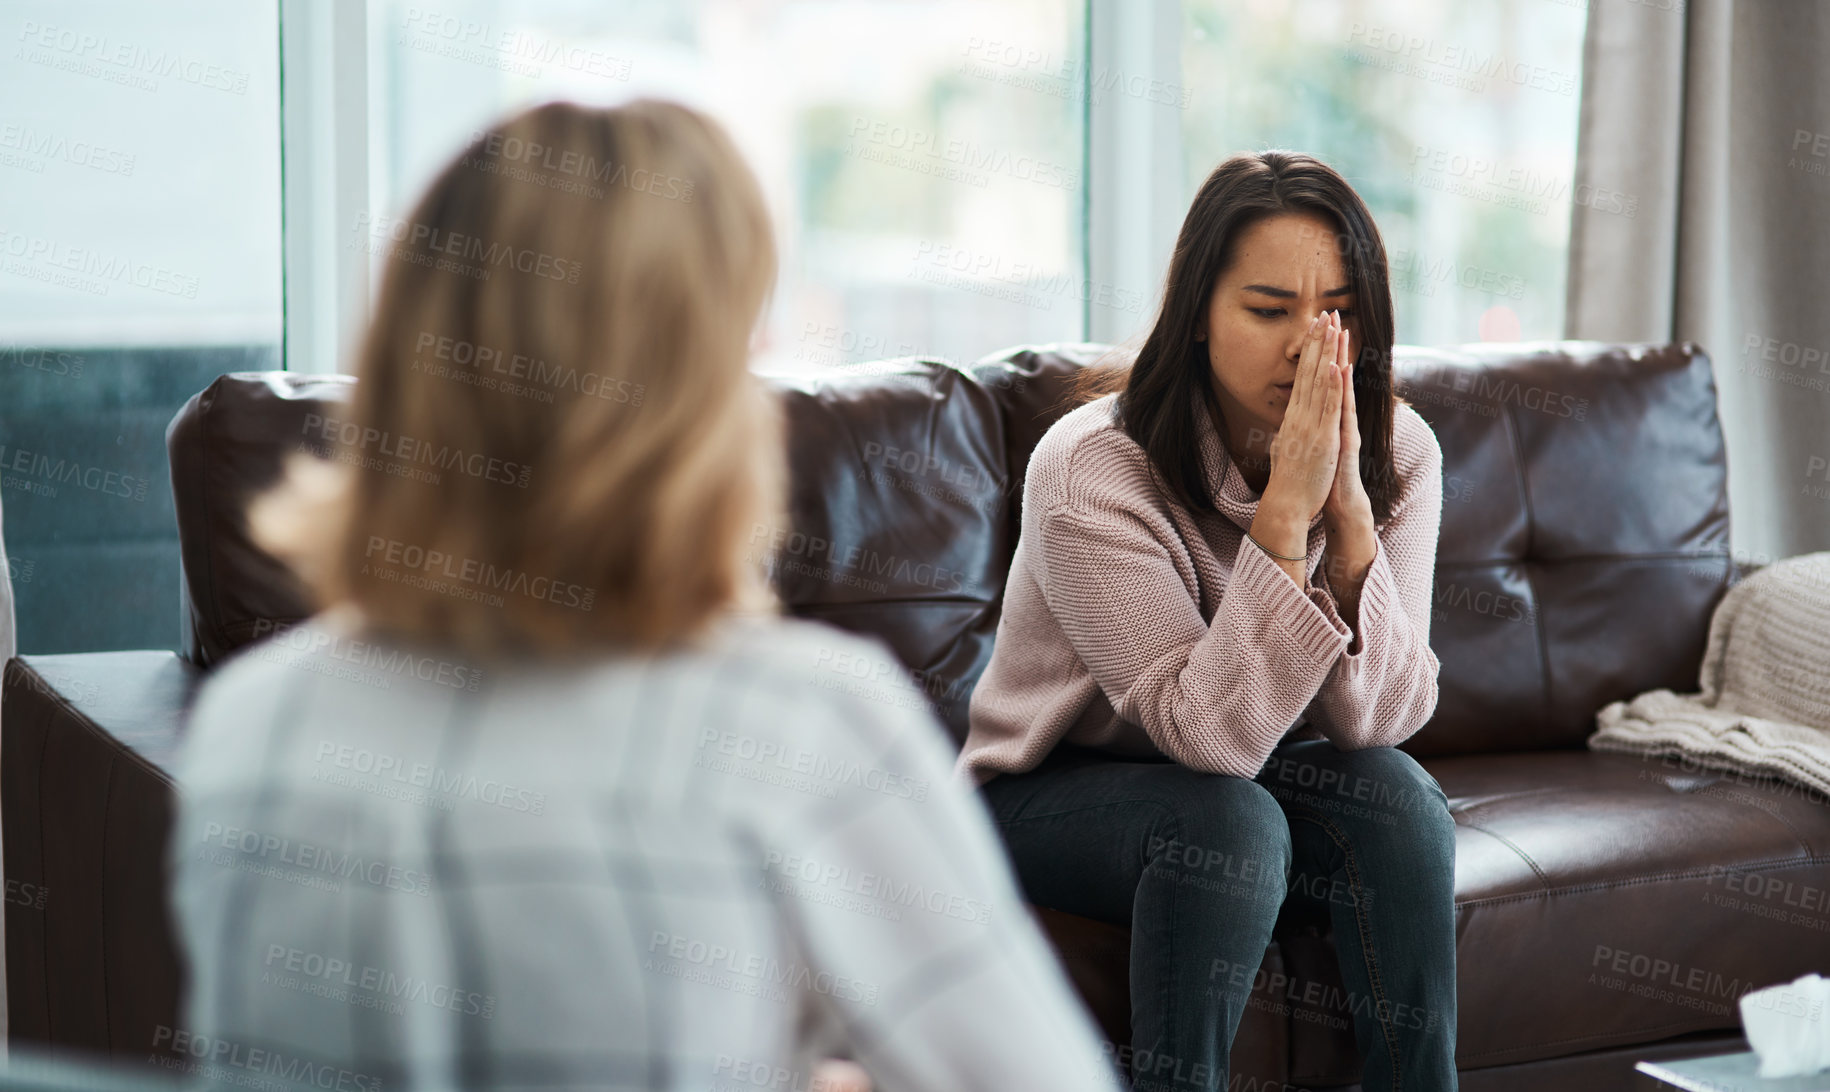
(1170, 381)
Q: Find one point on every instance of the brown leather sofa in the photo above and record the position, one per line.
(1608, 908)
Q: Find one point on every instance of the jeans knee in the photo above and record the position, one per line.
(1222, 828)
(1379, 789)
(1403, 795)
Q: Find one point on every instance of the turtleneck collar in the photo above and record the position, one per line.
(1226, 485)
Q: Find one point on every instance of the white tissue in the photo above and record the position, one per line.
(1789, 1026)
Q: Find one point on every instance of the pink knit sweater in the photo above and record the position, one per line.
(1134, 626)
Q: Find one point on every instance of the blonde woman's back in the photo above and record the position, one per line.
(695, 870)
(662, 838)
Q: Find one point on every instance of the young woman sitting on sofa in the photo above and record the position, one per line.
(1216, 630)
(587, 840)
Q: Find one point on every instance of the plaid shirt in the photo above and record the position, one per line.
(696, 871)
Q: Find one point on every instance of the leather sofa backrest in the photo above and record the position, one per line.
(225, 446)
(1584, 539)
(898, 524)
(1585, 533)
(899, 521)
(1584, 527)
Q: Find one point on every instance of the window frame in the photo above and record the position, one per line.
(1131, 204)
(324, 177)
(1134, 153)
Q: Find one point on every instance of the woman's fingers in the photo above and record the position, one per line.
(1331, 412)
(1309, 443)
(1306, 363)
(1327, 376)
(1350, 418)
(1318, 368)
(1307, 446)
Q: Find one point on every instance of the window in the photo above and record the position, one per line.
(950, 177)
(139, 259)
(1456, 122)
(925, 161)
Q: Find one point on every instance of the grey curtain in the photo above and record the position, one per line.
(1702, 212)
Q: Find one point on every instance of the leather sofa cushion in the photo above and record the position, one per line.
(1611, 899)
(1033, 385)
(1603, 902)
(898, 524)
(1584, 535)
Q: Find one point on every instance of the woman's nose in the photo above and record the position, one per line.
(1305, 320)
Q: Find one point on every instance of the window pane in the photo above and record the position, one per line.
(1456, 122)
(923, 161)
(139, 258)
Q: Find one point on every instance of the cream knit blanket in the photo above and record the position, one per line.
(1764, 708)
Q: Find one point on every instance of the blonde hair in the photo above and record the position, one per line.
(556, 442)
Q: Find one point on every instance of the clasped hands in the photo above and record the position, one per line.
(1315, 463)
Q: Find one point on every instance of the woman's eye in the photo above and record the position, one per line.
(1346, 312)
(1266, 312)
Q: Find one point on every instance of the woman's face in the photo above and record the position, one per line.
(1286, 270)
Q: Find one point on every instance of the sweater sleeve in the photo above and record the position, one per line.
(1214, 697)
(1382, 688)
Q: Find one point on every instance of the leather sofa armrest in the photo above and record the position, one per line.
(86, 806)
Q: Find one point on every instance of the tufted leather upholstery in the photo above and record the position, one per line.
(1567, 498)
(226, 445)
(1584, 544)
(1602, 899)
(1584, 534)
(898, 507)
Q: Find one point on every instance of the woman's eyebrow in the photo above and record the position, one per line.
(1286, 294)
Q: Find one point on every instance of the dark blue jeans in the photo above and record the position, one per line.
(1200, 865)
